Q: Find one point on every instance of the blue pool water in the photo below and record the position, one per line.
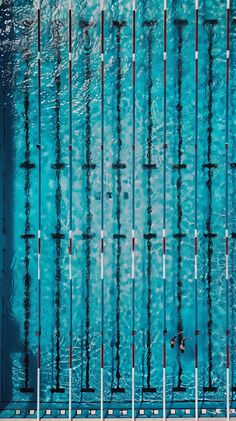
(19, 182)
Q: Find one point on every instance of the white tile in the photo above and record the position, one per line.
(218, 411)
(124, 412)
(141, 411)
(233, 410)
(172, 411)
(31, 412)
(93, 412)
(110, 411)
(48, 411)
(63, 411)
(78, 412)
(204, 411)
(155, 411)
(17, 411)
(187, 411)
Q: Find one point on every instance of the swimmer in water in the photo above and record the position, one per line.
(182, 344)
(173, 340)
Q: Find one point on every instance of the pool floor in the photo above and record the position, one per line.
(117, 209)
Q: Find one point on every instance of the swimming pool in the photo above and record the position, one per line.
(117, 208)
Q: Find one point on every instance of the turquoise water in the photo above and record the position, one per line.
(20, 191)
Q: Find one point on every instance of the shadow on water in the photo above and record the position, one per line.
(10, 337)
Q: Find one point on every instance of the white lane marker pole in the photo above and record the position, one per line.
(102, 207)
(196, 205)
(133, 199)
(70, 204)
(164, 207)
(226, 211)
(39, 208)
(133, 327)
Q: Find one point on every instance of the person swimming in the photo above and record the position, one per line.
(182, 344)
(173, 340)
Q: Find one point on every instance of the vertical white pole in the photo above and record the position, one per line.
(133, 200)
(39, 207)
(133, 332)
(195, 217)
(70, 347)
(70, 201)
(164, 344)
(102, 206)
(39, 333)
(164, 207)
(226, 210)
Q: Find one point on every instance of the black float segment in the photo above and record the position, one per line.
(57, 390)
(179, 389)
(87, 166)
(58, 236)
(210, 165)
(118, 166)
(119, 236)
(28, 22)
(210, 21)
(88, 236)
(58, 166)
(150, 166)
(27, 165)
(119, 23)
(27, 390)
(149, 236)
(87, 390)
(149, 23)
(179, 235)
(180, 22)
(210, 235)
(85, 24)
(27, 236)
(210, 389)
(149, 390)
(179, 166)
(118, 390)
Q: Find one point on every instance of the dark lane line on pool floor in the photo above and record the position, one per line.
(118, 166)
(149, 236)
(27, 236)
(179, 235)
(210, 23)
(58, 236)
(87, 236)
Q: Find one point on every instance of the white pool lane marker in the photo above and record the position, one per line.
(39, 207)
(70, 248)
(102, 212)
(195, 211)
(164, 209)
(133, 201)
(226, 211)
